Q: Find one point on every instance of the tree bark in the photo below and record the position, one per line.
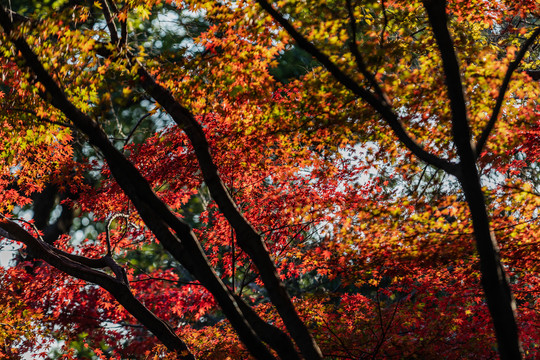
(494, 280)
(116, 287)
(248, 238)
(176, 236)
(499, 297)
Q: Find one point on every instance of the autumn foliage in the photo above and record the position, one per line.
(254, 180)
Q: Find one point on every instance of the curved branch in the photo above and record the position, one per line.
(502, 91)
(183, 245)
(108, 230)
(381, 106)
(117, 288)
(436, 10)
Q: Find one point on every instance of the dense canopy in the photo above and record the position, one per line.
(352, 179)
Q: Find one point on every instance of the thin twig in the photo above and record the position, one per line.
(353, 47)
(59, 123)
(135, 128)
(385, 24)
(108, 228)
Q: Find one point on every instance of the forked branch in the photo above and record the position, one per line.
(85, 269)
(353, 47)
(109, 20)
(381, 107)
(494, 280)
(175, 235)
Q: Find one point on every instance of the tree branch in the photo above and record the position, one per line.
(123, 24)
(502, 91)
(534, 74)
(381, 106)
(248, 239)
(108, 230)
(436, 10)
(68, 264)
(183, 245)
(353, 47)
(110, 21)
(270, 334)
(494, 280)
(132, 132)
